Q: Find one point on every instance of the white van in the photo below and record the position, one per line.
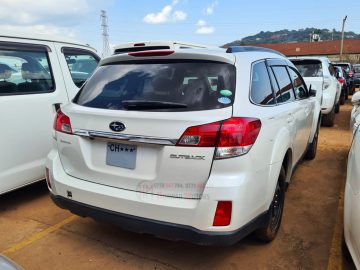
(37, 73)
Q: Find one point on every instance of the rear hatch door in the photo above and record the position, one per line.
(128, 117)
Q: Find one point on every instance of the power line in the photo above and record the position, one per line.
(105, 34)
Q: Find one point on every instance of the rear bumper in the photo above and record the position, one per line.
(161, 229)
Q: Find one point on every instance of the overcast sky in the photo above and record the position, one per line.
(212, 22)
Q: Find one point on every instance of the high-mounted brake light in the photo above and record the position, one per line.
(232, 137)
(139, 44)
(223, 213)
(151, 53)
(62, 123)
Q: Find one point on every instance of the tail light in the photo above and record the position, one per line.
(326, 83)
(341, 80)
(351, 74)
(223, 213)
(232, 137)
(62, 123)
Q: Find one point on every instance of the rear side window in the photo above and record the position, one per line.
(299, 86)
(25, 72)
(309, 68)
(162, 86)
(284, 83)
(261, 91)
(332, 70)
(275, 86)
(81, 64)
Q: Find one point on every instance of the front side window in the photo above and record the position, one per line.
(285, 85)
(261, 91)
(25, 72)
(81, 64)
(299, 86)
(162, 86)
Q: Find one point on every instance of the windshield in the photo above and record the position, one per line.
(309, 68)
(164, 86)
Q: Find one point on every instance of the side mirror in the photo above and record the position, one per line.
(356, 99)
(312, 92)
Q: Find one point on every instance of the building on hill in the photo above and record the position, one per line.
(331, 49)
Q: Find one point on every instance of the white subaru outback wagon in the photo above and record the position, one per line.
(183, 142)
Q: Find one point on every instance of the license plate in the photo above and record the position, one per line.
(121, 155)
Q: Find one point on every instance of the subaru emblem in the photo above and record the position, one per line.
(117, 126)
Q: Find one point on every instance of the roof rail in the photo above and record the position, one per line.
(235, 49)
(155, 45)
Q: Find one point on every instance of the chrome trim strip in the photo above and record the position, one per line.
(91, 134)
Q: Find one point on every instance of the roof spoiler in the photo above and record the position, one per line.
(155, 45)
(235, 49)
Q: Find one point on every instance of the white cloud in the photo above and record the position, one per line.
(201, 23)
(49, 17)
(210, 8)
(34, 11)
(166, 15)
(41, 29)
(179, 16)
(204, 28)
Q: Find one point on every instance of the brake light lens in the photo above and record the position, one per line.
(341, 80)
(200, 136)
(62, 123)
(223, 213)
(351, 74)
(151, 53)
(232, 137)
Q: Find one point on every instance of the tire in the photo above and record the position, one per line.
(268, 233)
(328, 119)
(342, 98)
(337, 107)
(347, 93)
(311, 151)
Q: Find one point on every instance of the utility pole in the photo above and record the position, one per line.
(342, 37)
(105, 34)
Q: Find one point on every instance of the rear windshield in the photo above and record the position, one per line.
(344, 66)
(357, 69)
(163, 86)
(309, 68)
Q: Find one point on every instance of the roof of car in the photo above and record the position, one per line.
(197, 54)
(185, 50)
(42, 37)
(321, 58)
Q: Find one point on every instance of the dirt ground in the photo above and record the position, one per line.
(38, 235)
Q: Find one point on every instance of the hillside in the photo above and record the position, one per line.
(286, 36)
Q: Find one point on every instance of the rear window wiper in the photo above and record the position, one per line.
(151, 104)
